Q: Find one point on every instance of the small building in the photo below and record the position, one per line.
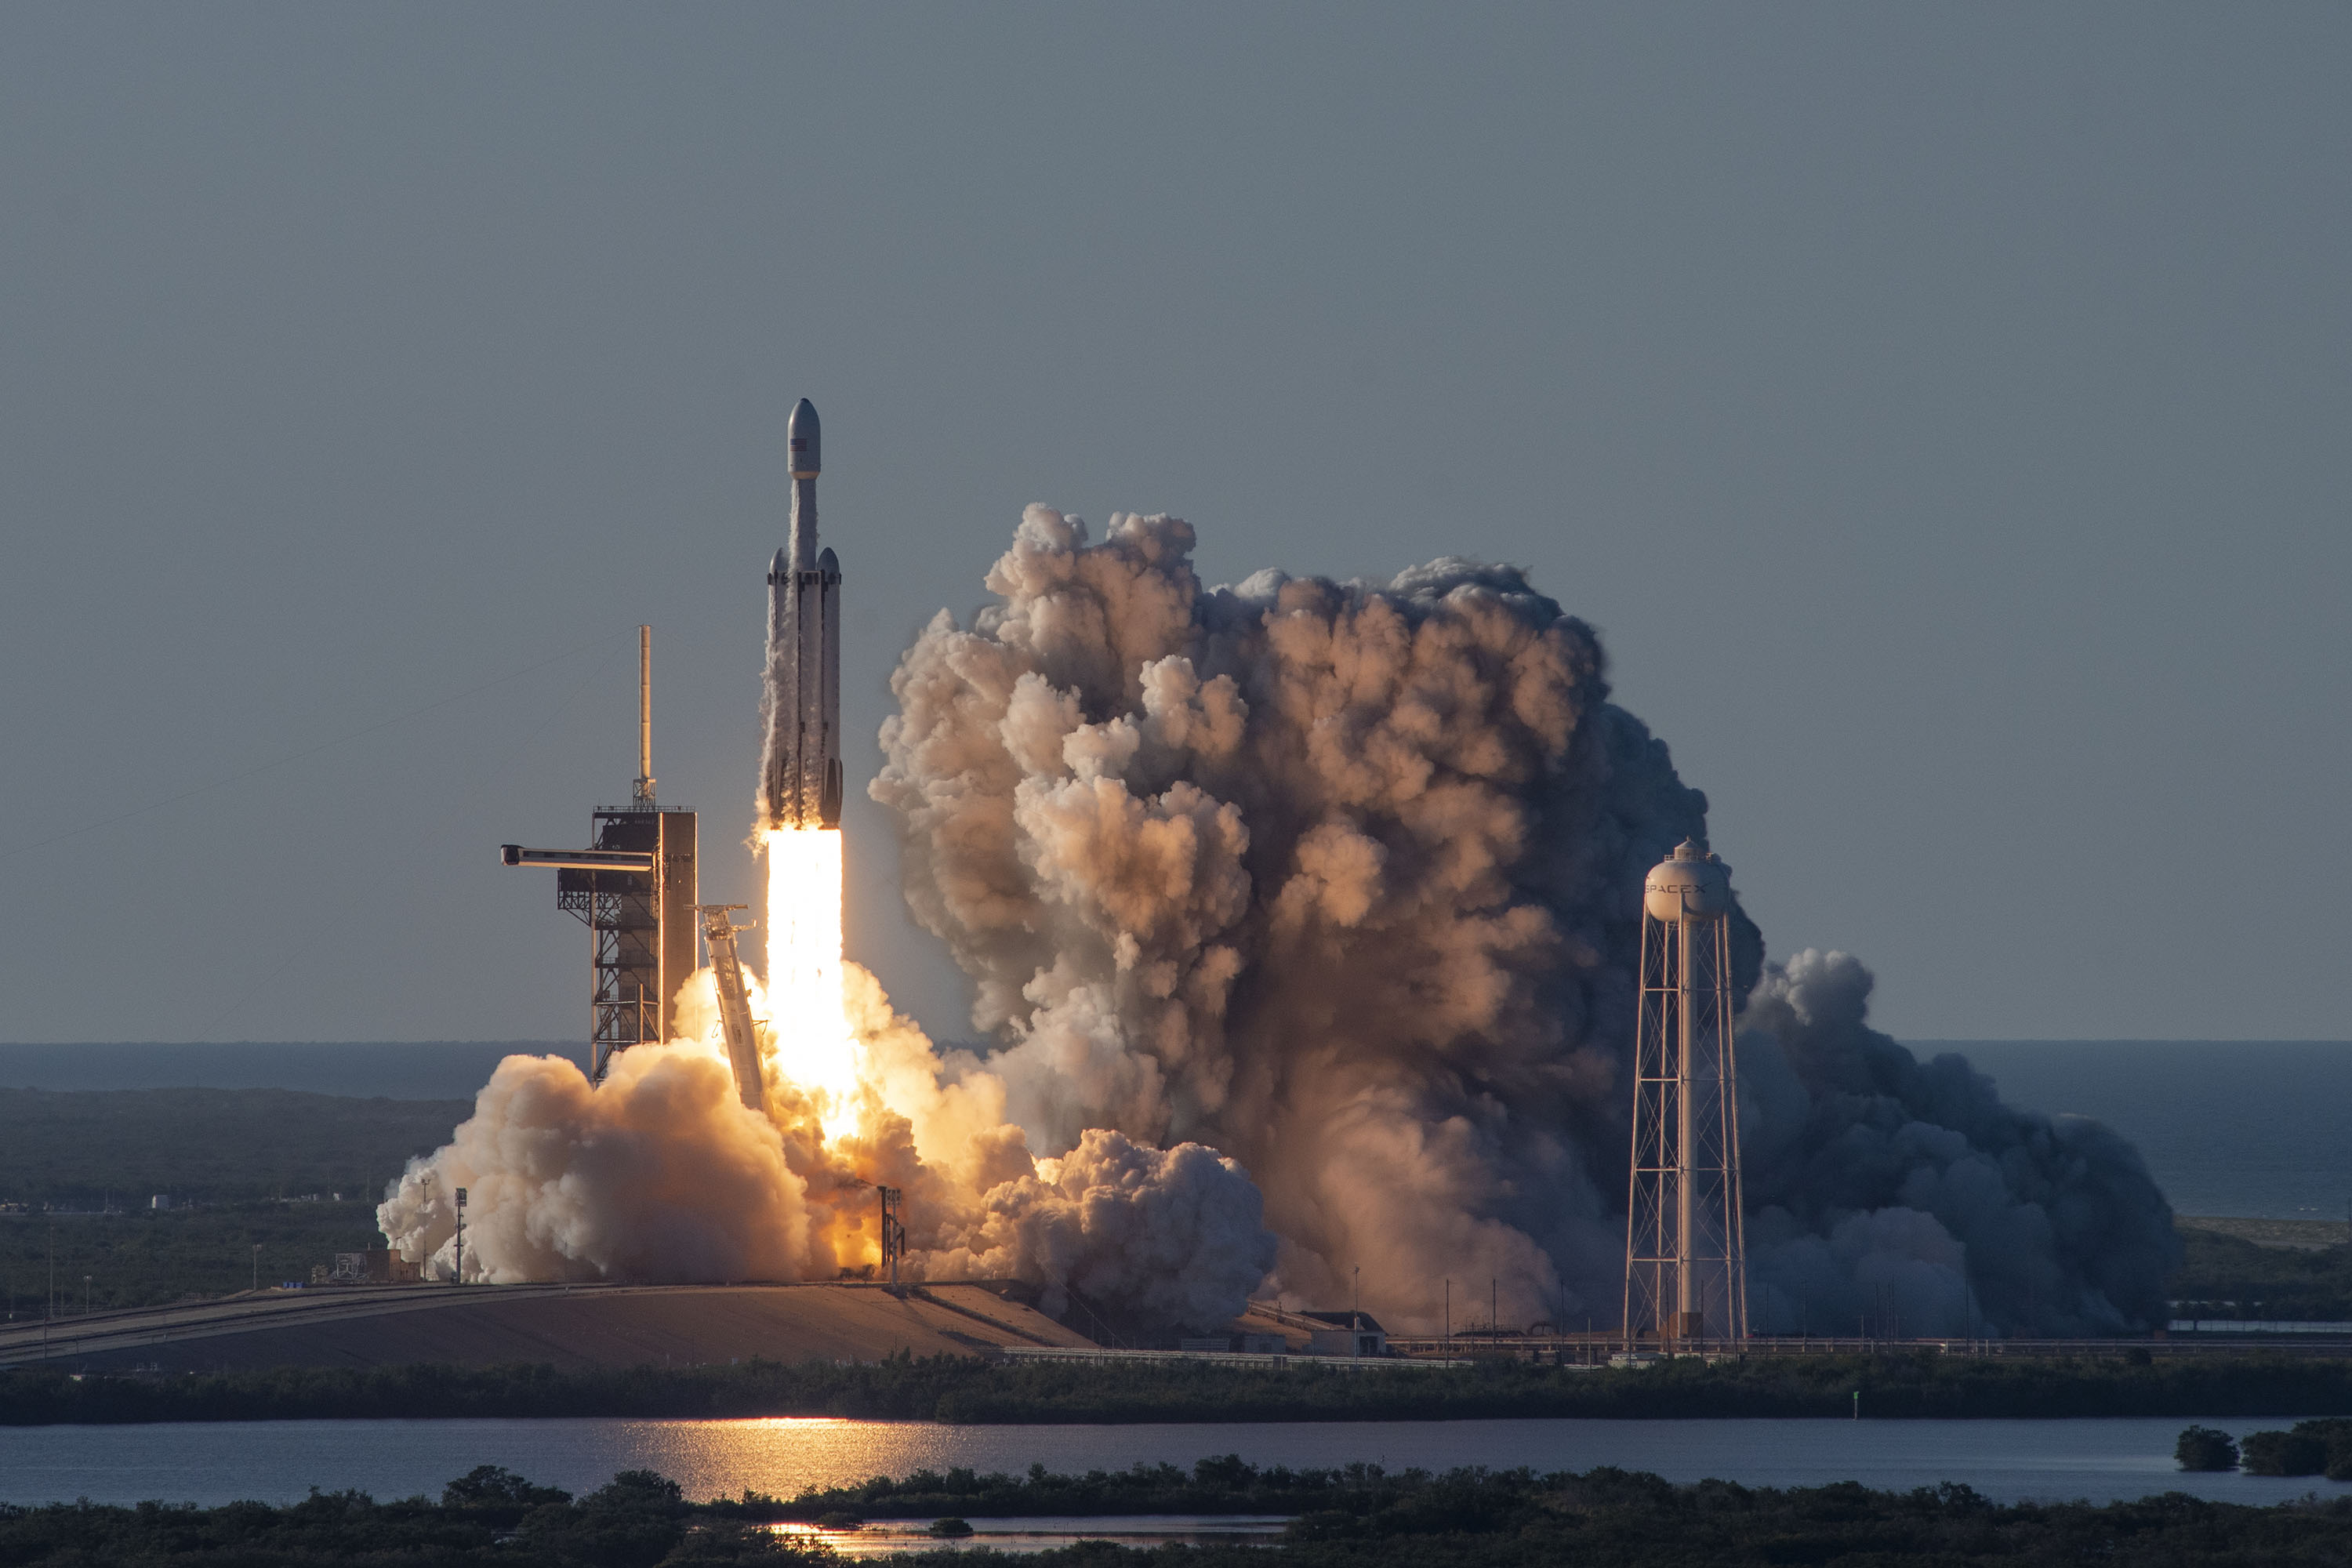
(1347, 1333)
(379, 1265)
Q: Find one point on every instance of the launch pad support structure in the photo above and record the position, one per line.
(636, 892)
(1686, 1265)
(719, 933)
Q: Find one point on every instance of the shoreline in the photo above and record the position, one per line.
(1359, 1515)
(965, 1392)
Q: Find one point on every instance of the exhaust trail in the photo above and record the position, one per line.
(658, 1174)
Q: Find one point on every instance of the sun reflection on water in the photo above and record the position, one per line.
(885, 1538)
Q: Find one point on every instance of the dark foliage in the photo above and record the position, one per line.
(497, 1494)
(144, 1260)
(2283, 1454)
(2206, 1448)
(2225, 1277)
(967, 1390)
(1357, 1517)
(2311, 1448)
(2338, 1434)
(219, 1145)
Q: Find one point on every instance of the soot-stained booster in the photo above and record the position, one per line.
(800, 777)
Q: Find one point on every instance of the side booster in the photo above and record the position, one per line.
(801, 782)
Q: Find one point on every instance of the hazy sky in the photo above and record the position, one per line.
(1941, 412)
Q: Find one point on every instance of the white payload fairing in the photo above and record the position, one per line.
(800, 779)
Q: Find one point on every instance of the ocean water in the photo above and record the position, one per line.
(280, 1461)
(2251, 1128)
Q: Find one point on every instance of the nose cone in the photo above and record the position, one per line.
(801, 436)
(778, 569)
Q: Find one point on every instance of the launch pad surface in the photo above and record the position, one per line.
(571, 1327)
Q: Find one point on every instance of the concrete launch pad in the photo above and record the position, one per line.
(569, 1327)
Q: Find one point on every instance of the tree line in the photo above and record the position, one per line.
(964, 1389)
(1359, 1516)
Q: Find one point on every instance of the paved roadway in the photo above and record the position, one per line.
(570, 1325)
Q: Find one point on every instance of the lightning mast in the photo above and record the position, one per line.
(1685, 1268)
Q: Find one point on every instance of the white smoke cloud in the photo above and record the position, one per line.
(1168, 1237)
(1341, 879)
(660, 1174)
(1303, 919)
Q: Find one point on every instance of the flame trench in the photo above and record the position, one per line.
(814, 1049)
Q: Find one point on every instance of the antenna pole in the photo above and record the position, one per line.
(645, 791)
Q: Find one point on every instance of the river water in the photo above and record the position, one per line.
(280, 1461)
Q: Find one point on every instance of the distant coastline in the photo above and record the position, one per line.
(393, 1070)
(963, 1390)
(2249, 1129)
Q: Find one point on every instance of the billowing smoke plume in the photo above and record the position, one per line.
(661, 1174)
(1342, 881)
(1906, 1195)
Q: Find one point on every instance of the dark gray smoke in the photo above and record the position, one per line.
(1342, 879)
(1905, 1192)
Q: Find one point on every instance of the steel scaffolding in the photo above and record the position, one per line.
(1686, 1275)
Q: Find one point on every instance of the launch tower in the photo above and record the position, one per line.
(635, 892)
(1686, 1272)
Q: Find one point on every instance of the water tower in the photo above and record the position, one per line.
(1685, 1278)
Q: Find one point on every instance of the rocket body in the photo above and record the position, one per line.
(800, 783)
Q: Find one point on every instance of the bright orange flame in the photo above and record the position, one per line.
(814, 1048)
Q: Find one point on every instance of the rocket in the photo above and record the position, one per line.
(800, 777)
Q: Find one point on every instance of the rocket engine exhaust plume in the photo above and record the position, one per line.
(813, 1048)
(669, 1170)
(1303, 918)
(1342, 879)
(661, 1174)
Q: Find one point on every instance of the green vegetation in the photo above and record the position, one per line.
(2226, 1277)
(959, 1389)
(2206, 1448)
(490, 1516)
(1357, 1517)
(235, 1154)
(142, 1259)
(215, 1145)
(239, 1149)
(2310, 1448)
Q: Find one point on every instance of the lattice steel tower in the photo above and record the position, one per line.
(634, 890)
(1686, 1275)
